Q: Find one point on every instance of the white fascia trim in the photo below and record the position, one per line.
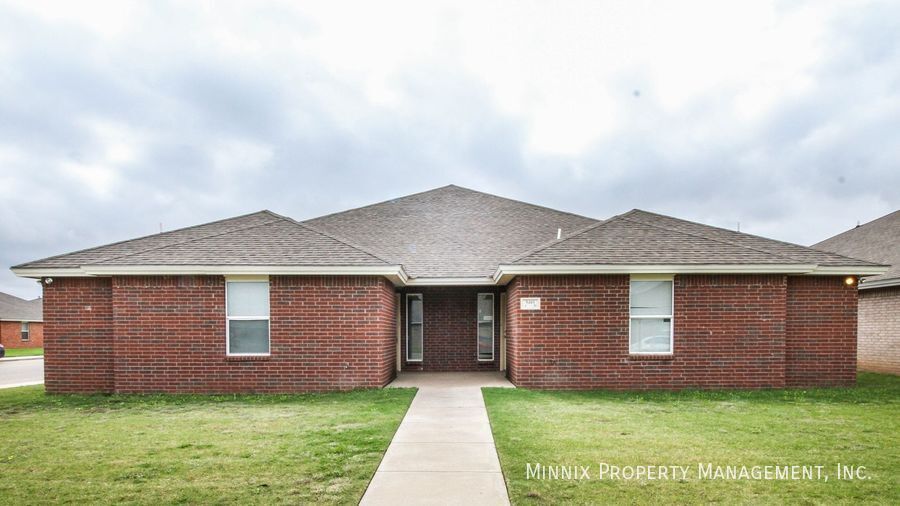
(827, 270)
(393, 272)
(450, 281)
(504, 272)
(881, 283)
(59, 272)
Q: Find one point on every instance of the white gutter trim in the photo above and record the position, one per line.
(59, 272)
(393, 272)
(881, 283)
(829, 270)
(505, 273)
(451, 281)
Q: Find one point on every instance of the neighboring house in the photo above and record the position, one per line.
(21, 322)
(447, 280)
(879, 296)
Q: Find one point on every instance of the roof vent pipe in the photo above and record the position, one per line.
(559, 233)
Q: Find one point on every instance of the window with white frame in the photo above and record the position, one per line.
(26, 335)
(651, 316)
(415, 323)
(485, 327)
(247, 311)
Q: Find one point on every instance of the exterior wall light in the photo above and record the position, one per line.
(850, 280)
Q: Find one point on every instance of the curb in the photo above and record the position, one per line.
(14, 359)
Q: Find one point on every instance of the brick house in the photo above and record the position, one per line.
(21, 322)
(879, 296)
(447, 280)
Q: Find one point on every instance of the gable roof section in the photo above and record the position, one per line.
(877, 241)
(450, 231)
(449, 235)
(785, 249)
(150, 242)
(262, 239)
(640, 238)
(13, 308)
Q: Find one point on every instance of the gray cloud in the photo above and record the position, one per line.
(211, 130)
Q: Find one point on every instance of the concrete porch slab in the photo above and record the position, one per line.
(446, 380)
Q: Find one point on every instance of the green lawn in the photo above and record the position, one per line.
(857, 426)
(24, 352)
(193, 449)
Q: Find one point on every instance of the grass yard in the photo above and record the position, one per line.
(24, 352)
(193, 449)
(859, 426)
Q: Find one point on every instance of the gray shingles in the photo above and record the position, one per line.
(641, 238)
(13, 308)
(110, 251)
(282, 243)
(447, 232)
(620, 241)
(262, 238)
(450, 231)
(795, 251)
(876, 241)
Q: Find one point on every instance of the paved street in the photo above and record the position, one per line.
(18, 372)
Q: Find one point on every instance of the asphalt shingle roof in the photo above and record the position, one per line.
(785, 249)
(876, 241)
(450, 231)
(16, 309)
(447, 232)
(262, 238)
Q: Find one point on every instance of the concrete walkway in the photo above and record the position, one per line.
(443, 451)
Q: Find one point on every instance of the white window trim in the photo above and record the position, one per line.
(247, 279)
(478, 325)
(421, 298)
(671, 317)
(25, 332)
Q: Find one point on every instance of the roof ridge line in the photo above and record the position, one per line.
(753, 235)
(375, 204)
(143, 237)
(441, 188)
(185, 242)
(566, 238)
(714, 240)
(523, 202)
(333, 237)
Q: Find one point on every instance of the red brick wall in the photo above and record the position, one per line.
(327, 333)
(729, 332)
(821, 332)
(879, 330)
(78, 341)
(11, 335)
(450, 332)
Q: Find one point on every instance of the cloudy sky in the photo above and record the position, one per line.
(118, 117)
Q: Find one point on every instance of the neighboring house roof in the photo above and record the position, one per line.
(446, 235)
(450, 231)
(13, 308)
(877, 241)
